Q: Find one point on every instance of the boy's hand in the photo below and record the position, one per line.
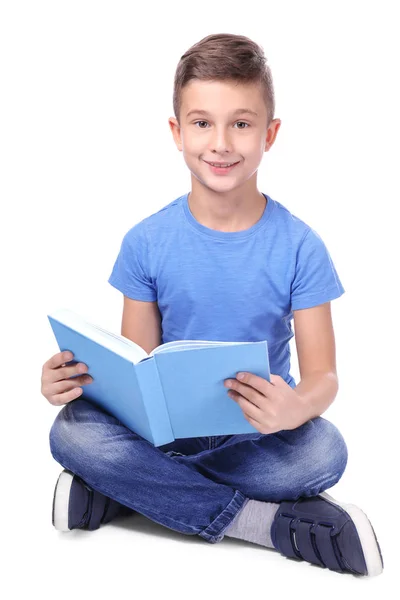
(57, 387)
(268, 406)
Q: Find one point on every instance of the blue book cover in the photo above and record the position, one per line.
(176, 391)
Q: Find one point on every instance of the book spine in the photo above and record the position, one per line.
(154, 402)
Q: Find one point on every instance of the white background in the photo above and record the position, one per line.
(86, 152)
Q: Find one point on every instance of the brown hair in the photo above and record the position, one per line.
(225, 56)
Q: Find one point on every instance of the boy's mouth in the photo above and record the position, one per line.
(221, 168)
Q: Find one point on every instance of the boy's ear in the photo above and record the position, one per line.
(176, 131)
(272, 132)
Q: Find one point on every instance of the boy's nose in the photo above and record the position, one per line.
(221, 143)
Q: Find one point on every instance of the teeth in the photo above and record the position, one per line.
(226, 165)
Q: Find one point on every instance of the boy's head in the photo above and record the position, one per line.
(219, 75)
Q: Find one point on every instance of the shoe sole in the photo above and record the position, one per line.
(61, 501)
(366, 534)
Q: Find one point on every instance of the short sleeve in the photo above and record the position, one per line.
(130, 273)
(316, 280)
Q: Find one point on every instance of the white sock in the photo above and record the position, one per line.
(253, 523)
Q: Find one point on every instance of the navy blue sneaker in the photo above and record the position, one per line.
(327, 533)
(77, 506)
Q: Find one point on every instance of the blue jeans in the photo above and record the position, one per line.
(195, 485)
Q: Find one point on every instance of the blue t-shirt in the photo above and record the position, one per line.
(227, 286)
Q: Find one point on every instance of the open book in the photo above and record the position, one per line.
(176, 391)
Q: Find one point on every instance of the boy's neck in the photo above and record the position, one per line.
(238, 212)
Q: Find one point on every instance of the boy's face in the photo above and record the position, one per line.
(221, 135)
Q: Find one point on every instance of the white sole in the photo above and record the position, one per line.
(61, 501)
(366, 534)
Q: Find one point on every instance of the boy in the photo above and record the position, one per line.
(223, 262)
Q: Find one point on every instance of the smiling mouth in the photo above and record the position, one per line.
(222, 165)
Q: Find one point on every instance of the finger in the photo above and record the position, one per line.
(258, 383)
(259, 426)
(66, 391)
(263, 427)
(61, 399)
(58, 359)
(68, 372)
(249, 393)
(69, 384)
(248, 407)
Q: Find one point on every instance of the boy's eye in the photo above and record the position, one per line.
(242, 122)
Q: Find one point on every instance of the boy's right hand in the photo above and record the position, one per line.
(57, 387)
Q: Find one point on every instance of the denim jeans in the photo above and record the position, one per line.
(195, 485)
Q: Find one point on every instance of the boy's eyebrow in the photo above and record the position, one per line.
(238, 111)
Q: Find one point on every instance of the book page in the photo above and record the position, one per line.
(179, 345)
(112, 341)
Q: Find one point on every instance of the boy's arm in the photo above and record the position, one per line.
(316, 351)
(141, 323)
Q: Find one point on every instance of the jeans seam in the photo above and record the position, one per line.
(214, 532)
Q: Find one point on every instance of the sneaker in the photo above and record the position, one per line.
(77, 506)
(327, 533)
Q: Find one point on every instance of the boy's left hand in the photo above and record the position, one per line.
(268, 406)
